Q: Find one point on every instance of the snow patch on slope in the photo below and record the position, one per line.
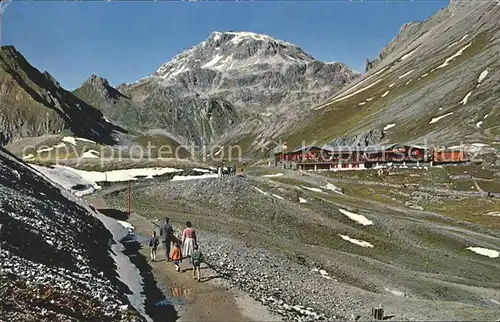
(333, 188)
(466, 98)
(128, 273)
(360, 219)
(456, 42)
(408, 54)
(64, 176)
(434, 120)
(485, 252)
(481, 77)
(406, 74)
(118, 175)
(72, 140)
(352, 94)
(91, 154)
(45, 150)
(196, 177)
(219, 151)
(213, 62)
(262, 192)
(312, 189)
(389, 126)
(129, 227)
(449, 59)
(358, 242)
(343, 96)
(273, 175)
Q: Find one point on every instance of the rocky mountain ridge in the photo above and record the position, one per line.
(435, 83)
(34, 104)
(231, 79)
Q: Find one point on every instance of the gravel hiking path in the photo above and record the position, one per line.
(208, 300)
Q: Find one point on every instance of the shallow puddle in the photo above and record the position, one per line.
(179, 295)
(182, 292)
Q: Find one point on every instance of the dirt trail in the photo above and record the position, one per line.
(207, 300)
(478, 187)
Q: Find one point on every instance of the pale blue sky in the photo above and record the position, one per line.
(125, 41)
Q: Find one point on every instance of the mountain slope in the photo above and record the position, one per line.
(59, 262)
(97, 92)
(436, 82)
(230, 82)
(34, 104)
(212, 114)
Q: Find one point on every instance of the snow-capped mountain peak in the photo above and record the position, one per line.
(232, 76)
(226, 51)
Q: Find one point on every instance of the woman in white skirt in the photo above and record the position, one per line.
(188, 241)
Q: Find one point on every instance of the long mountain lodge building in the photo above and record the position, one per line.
(354, 157)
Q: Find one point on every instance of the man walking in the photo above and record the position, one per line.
(167, 232)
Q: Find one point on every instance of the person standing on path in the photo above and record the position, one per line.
(197, 257)
(153, 244)
(167, 231)
(189, 240)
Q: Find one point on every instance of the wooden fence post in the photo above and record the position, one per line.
(378, 313)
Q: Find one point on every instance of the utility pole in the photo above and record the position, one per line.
(129, 198)
(3, 5)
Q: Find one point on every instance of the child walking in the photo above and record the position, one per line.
(197, 258)
(177, 256)
(153, 244)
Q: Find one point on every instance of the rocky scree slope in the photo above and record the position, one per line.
(55, 255)
(437, 81)
(231, 79)
(34, 104)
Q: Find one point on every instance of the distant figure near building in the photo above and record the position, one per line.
(153, 244)
(189, 240)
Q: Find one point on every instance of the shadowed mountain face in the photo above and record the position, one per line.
(59, 261)
(229, 83)
(33, 104)
(437, 81)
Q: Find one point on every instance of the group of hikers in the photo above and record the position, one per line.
(184, 247)
(230, 170)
